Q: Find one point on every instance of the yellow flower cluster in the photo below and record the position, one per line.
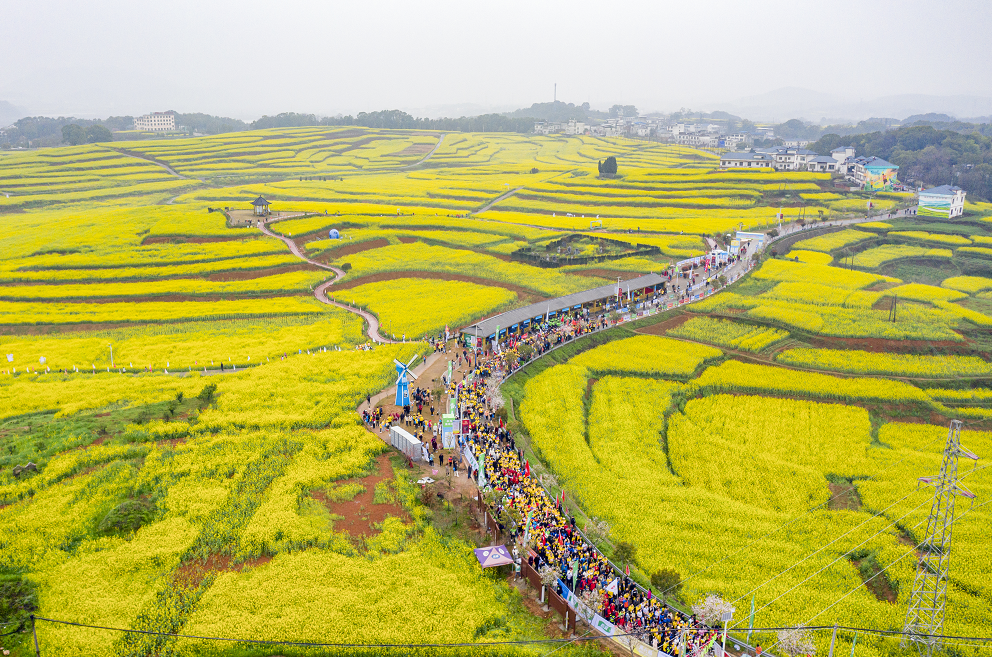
(868, 362)
(727, 333)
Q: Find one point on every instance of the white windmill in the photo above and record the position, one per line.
(403, 375)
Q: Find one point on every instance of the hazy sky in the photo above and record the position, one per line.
(248, 58)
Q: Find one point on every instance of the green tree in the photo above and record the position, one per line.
(747, 126)
(624, 553)
(666, 582)
(609, 166)
(623, 110)
(98, 133)
(73, 135)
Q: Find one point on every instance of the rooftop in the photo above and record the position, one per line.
(746, 156)
(511, 318)
(259, 201)
(875, 163)
(943, 190)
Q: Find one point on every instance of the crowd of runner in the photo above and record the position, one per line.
(528, 515)
(548, 536)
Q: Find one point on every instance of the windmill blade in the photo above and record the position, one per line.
(415, 357)
(399, 363)
(411, 374)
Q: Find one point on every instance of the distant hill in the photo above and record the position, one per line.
(9, 113)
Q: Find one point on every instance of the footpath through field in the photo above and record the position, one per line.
(320, 292)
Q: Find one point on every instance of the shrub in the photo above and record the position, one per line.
(127, 517)
(208, 393)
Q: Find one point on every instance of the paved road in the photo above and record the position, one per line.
(339, 274)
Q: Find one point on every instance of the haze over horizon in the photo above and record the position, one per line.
(850, 61)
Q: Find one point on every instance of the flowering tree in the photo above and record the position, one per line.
(712, 609)
(796, 642)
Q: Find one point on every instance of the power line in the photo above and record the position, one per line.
(842, 556)
(314, 644)
(787, 523)
(910, 551)
(820, 549)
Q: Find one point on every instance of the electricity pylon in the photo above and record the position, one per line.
(925, 618)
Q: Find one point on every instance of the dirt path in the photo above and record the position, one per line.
(320, 292)
(498, 199)
(321, 295)
(155, 162)
(428, 156)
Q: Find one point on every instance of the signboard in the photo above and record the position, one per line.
(470, 457)
(496, 555)
(448, 430)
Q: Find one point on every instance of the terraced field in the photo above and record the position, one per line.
(189, 400)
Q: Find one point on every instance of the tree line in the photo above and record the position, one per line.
(397, 119)
(926, 156)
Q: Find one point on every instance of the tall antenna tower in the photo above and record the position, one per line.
(925, 618)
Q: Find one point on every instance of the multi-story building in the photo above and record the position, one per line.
(945, 201)
(574, 127)
(732, 140)
(822, 164)
(156, 122)
(872, 173)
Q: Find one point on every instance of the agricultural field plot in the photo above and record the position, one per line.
(81, 173)
(411, 308)
(287, 152)
(766, 444)
(190, 405)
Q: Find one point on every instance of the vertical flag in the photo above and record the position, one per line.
(575, 572)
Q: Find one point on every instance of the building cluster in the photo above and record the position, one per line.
(869, 173)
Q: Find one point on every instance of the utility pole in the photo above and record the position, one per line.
(928, 601)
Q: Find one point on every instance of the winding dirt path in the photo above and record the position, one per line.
(320, 292)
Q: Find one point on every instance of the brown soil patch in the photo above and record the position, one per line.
(408, 240)
(876, 581)
(360, 514)
(663, 327)
(186, 239)
(351, 249)
(359, 143)
(884, 303)
(889, 346)
(612, 274)
(192, 573)
(844, 496)
(524, 293)
(248, 274)
(180, 298)
(416, 149)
